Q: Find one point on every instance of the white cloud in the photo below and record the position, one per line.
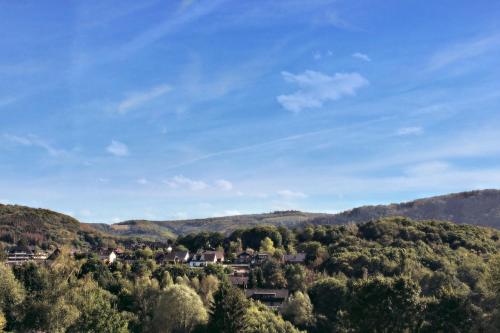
(288, 194)
(317, 88)
(186, 183)
(334, 19)
(224, 184)
(34, 141)
(138, 99)
(361, 56)
(463, 51)
(117, 148)
(410, 130)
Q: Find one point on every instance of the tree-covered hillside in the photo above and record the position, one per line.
(44, 228)
(475, 207)
(387, 275)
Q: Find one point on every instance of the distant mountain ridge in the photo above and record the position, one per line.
(46, 227)
(481, 207)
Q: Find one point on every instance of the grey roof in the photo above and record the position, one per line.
(299, 257)
(275, 293)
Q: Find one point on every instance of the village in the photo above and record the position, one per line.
(237, 266)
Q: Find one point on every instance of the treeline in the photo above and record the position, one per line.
(391, 275)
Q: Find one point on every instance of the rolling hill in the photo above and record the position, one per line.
(475, 207)
(45, 228)
(48, 228)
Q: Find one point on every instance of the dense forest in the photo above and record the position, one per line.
(388, 275)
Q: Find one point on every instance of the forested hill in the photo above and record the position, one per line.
(41, 226)
(226, 224)
(475, 207)
(44, 228)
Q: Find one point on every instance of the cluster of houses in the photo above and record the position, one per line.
(21, 254)
(240, 266)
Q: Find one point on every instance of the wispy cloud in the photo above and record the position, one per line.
(317, 88)
(34, 141)
(414, 130)
(334, 18)
(463, 51)
(181, 182)
(289, 194)
(191, 13)
(361, 56)
(117, 148)
(135, 100)
(224, 185)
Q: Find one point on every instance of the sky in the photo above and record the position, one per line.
(114, 110)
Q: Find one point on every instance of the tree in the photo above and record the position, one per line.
(330, 298)
(227, 310)
(273, 274)
(141, 298)
(3, 321)
(267, 245)
(180, 310)
(493, 274)
(299, 310)
(208, 286)
(259, 319)
(385, 305)
(166, 280)
(96, 310)
(12, 294)
(296, 277)
(452, 313)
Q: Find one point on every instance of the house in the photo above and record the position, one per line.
(244, 257)
(299, 258)
(120, 253)
(261, 257)
(173, 257)
(205, 258)
(20, 254)
(239, 281)
(240, 269)
(107, 255)
(273, 298)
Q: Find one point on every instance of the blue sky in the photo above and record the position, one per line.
(112, 110)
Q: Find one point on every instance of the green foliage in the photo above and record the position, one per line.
(180, 310)
(12, 294)
(3, 321)
(227, 310)
(390, 275)
(95, 309)
(267, 245)
(259, 319)
(299, 310)
(44, 228)
(384, 305)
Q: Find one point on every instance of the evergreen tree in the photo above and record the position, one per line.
(227, 310)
